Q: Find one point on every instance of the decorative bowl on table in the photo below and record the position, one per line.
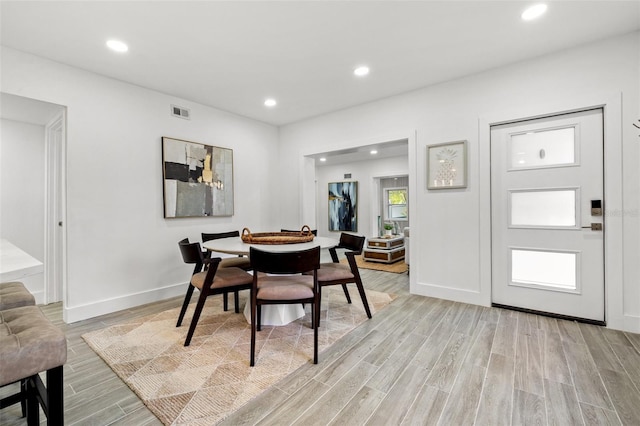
(303, 236)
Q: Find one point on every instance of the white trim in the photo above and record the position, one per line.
(439, 291)
(309, 206)
(55, 264)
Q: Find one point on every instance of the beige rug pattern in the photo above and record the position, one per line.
(203, 383)
(398, 267)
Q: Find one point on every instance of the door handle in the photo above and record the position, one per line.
(594, 227)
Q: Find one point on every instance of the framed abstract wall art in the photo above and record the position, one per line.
(343, 203)
(447, 165)
(198, 179)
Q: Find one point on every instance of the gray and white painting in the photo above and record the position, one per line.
(198, 179)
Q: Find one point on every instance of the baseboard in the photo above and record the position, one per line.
(39, 296)
(78, 313)
(449, 293)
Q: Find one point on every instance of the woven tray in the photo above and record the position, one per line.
(273, 238)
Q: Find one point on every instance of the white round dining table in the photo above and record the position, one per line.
(235, 245)
(271, 314)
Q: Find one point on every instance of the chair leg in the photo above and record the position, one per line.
(33, 408)
(346, 293)
(236, 301)
(253, 330)
(23, 401)
(196, 315)
(185, 305)
(316, 308)
(363, 296)
(259, 317)
(225, 301)
(55, 396)
(315, 315)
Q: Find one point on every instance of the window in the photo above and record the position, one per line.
(396, 201)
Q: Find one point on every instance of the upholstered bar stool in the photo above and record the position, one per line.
(15, 295)
(31, 344)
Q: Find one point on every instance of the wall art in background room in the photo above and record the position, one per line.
(447, 165)
(198, 179)
(343, 212)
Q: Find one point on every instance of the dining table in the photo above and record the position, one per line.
(275, 315)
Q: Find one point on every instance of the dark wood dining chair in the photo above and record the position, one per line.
(239, 261)
(336, 273)
(214, 280)
(284, 284)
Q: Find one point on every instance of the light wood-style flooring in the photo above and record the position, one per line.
(418, 361)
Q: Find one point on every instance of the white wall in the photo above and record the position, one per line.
(22, 191)
(451, 229)
(121, 252)
(364, 172)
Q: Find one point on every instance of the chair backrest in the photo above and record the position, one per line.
(191, 252)
(218, 235)
(313, 231)
(294, 262)
(351, 242)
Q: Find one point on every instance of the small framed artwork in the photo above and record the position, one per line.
(343, 203)
(447, 165)
(198, 179)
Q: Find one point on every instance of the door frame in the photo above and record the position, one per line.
(611, 105)
(55, 264)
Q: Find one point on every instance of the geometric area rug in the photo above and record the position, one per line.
(205, 382)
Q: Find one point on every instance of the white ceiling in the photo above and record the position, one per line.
(232, 55)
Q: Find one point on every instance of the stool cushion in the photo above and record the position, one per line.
(14, 295)
(29, 344)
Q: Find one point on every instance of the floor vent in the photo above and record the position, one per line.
(177, 111)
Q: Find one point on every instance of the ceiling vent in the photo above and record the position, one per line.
(177, 111)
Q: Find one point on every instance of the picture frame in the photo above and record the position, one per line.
(343, 206)
(197, 179)
(447, 165)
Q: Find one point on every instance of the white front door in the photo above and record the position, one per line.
(546, 176)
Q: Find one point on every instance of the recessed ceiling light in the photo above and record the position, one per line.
(534, 12)
(270, 102)
(361, 71)
(323, 159)
(117, 46)
(373, 152)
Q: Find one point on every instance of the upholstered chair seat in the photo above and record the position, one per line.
(334, 271)
(235, 262)
(278, 279)
(285, 287)
(210, 281)
(225, 277)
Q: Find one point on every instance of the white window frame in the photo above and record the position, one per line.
(388, 205)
